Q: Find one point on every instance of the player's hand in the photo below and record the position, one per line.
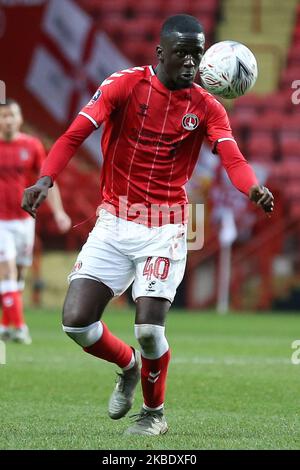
(63, 221)
(35, 195)
(262, 197)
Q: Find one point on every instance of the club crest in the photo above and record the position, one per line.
(190, 122)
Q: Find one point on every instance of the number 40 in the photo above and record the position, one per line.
(159, 267)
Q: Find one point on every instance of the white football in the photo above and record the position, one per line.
(228, 69)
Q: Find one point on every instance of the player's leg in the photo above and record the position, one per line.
(100, 273)
(155, 354)
(84, 305)
(23, 233)
(11, 299)
(21, 332)
(160, 282)
(8, 289)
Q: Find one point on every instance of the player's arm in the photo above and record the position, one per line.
(61, 218)
(59, 156)
(238, 169)
(110, 95)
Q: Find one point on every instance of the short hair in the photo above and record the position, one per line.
(181, 24)
(10, 101)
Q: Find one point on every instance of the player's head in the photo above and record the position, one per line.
(10, 119)
(180, 50)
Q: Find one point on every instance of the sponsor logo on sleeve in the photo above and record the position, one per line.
(95, 98)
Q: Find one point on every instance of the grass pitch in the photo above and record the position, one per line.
(231, 386)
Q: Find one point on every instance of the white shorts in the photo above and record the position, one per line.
(119, 251)
(16, 240)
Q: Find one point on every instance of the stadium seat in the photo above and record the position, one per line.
(139, 52)
(173, 7)
(294, 211)
(290, 170)
(293, 191)
(289, 128)
(290, 149)
(289, 75)
(209, 6)
(296, 35)
(276, 172)
(146, 9)
(278, 102)
(294, 56)
(261, 146)
(267, 122)
(250, 101)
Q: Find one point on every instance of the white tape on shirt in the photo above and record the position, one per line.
(222, 139)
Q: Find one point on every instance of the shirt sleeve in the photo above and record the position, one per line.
(220, 136)
(217, 125)
(109, 96)
(238, 169)
(65, 147)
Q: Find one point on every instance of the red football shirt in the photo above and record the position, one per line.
(19, 158)
(152, 136)
(150, 143)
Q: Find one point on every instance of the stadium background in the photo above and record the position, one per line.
(55, 55)
(234, 380)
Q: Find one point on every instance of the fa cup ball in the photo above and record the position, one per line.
(228, 69)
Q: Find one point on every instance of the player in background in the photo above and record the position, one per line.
(155, 119)
(20, 156)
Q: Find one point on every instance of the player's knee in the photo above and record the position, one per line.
(85, 335)
(152, 340)
(73, 315)
(8, 270)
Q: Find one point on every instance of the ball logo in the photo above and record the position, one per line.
(190, 122)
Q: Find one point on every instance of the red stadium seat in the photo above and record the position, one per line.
(267, 122)
(290, 170)
(293, 191)
(138, 51)
(294, 56)
(146, 9)
(294, 211)
(289, 128)
(250, 101)
(279, 102)
(289, 75)
(209, 6)
(173, 7)
(262, 146)
(243, 116)
(290, 149)
(276, 172)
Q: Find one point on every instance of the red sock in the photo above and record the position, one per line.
(111, 348)
(12, 306)
(154, 376)
(5, 320)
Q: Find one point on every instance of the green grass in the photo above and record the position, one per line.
(231, 386)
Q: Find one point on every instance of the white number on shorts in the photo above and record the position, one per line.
(156, 269)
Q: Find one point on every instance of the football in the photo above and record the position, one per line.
(228, 69)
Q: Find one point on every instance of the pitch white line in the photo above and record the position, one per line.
(228, 361)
